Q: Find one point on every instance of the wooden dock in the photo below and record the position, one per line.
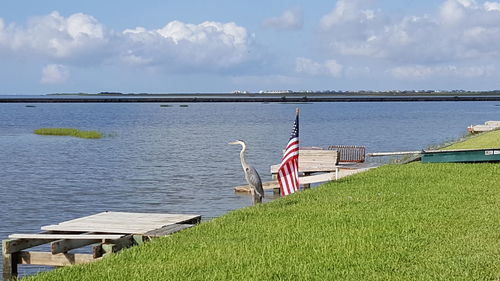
(319, 165)
(108, 232)
(326, 177)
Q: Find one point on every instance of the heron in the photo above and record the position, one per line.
(251, 175)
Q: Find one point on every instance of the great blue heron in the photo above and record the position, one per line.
(251, 175)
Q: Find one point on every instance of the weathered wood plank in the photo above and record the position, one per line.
(113, 216)
(265, 185)
(15, 245)
(46, 258)
(120, 217)
(113, 246)
(65, 236)
(167, 230)
(113, 222)
(9, 271)
(112, 229)
(64, 245)
(131, 240)
(315, 160)
(302, 180)
(310, 167)
(122, 223)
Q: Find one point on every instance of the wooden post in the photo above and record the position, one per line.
(307, 185)
(9, 262)
(113, 246)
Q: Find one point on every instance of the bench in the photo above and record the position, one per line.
(350, 153)
(314, 161)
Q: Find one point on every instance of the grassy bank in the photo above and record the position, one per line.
(485, 140)
(68, 132)
(396, 222)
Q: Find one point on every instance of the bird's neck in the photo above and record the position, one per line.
(242, 157)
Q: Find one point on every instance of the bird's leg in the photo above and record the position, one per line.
(252, 193)
(256, 198)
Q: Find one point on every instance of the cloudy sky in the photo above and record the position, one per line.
(224, 45)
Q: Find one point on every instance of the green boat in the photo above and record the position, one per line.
(462, 155)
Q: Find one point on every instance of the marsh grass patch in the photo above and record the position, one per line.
(68, 132)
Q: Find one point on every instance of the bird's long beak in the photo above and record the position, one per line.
(233, 142)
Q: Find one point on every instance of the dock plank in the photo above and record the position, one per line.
(122, 222)
(65, 245)
(64, 236)
(302, 180)
(46, 258)
(167, 230)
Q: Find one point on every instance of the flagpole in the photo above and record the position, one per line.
(305, 186)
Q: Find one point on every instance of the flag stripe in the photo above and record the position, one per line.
(288, 172)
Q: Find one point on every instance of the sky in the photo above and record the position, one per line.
(203, 46)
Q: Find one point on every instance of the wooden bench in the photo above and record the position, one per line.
(311, 161)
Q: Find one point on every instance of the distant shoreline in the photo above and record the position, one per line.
(241, 98)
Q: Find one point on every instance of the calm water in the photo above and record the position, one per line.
(177, 160)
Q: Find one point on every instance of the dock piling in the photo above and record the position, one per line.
(9, 262)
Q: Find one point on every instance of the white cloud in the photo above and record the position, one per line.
(453, 11)
(333, 68)
(54, 36)
(422, 72)
(492, 6)
(180, 46)
(461, 30)
(290, 19)
(54, 74)
(80, 39)
(347, 11)
(310, 67)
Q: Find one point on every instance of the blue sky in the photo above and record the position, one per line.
(221, 46)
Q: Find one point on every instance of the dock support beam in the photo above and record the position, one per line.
(307, 185)
(9, 263)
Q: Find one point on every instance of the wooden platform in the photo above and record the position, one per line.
(108, 232)
(341, 173)
(119, 222)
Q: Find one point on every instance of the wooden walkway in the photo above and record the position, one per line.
(108, 232)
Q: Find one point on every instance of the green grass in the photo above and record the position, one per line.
(410, 222)
(68, 132)
(485, 140)
(397, 222)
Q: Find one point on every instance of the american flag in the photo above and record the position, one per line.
(288, 172)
